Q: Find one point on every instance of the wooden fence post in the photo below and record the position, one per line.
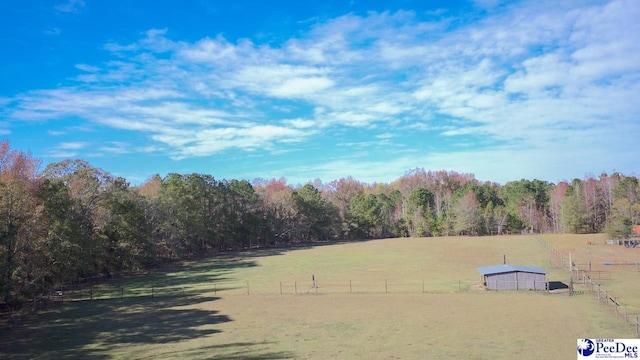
(571, 285)
(350, 288)
(385, 286)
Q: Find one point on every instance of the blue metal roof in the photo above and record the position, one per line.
(505, 268)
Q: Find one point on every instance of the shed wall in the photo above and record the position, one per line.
(516, 281)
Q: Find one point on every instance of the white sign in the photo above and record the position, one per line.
(608, 348)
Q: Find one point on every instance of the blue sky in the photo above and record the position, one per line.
(325, 89)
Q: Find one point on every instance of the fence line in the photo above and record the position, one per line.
(243, 287)
(97, 292)
(586, 277)
(609, 301)
(293, 287)
(93, 292)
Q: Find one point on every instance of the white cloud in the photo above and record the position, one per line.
(385, 136)
(87, 68)
(300, 123)
(52, 31)
(216, 51)
(56, 132)
(539, 74)
(71, 6)
(488, 4)
(73, 145)
(115, 147)
(280, 80)
(206, 142)
(68, 149)
(300, 87)
(61, 154)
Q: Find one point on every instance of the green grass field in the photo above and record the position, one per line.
(383, 299)
(621, 279)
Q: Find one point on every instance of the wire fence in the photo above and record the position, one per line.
(293, 287)
(95, 291)
(134, 293)
(608, 300)
(265, 288)
(585, 275)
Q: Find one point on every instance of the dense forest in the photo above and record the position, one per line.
(71, 221)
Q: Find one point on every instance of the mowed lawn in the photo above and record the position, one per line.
(382, 299)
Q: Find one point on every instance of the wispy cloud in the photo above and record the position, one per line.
(71, 6)
(4, 127)
(68, 149)
(115, 147)
(52, 31)
(73, 145)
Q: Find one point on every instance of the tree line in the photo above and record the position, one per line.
(74, 221)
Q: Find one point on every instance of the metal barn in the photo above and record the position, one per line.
(513, 277)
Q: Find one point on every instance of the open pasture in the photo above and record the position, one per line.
(440, 319)
(620, 266)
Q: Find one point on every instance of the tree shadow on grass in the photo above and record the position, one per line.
(92, 329)
(233, 351)
(211, 270)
